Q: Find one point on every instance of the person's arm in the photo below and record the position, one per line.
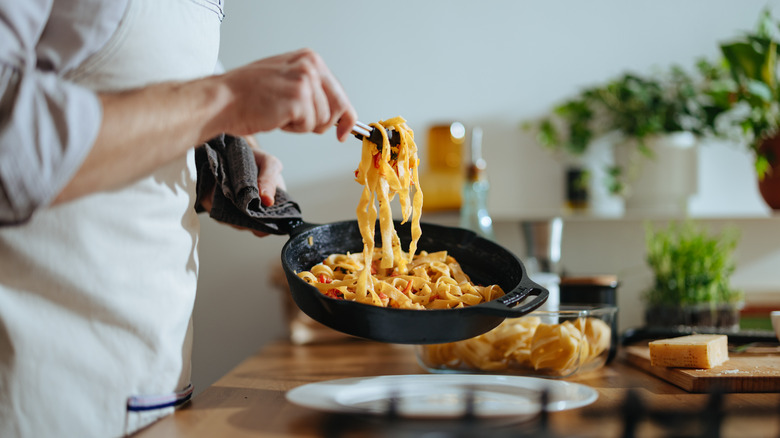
(145, 128)
(47, 124)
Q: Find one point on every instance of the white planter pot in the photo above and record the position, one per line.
(661, 184)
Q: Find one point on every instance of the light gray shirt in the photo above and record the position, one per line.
(47, 123)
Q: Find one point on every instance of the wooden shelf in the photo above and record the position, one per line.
(451, 217)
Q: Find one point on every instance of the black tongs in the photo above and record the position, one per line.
(361, 131)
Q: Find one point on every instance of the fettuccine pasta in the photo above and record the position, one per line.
(387, 275)
(524, 345)
(433, 281)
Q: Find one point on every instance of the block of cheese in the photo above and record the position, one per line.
(692, 351)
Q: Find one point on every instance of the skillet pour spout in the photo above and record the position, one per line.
(484, 261)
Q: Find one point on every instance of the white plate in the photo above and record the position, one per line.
(442, 395)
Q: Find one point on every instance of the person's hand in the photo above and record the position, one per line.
(269, 179)
(295, 92)
(269, 173)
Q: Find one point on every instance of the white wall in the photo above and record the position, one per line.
(492, 63)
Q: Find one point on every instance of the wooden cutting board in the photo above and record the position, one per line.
(741, 373)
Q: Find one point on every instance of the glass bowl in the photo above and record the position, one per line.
(545, 343)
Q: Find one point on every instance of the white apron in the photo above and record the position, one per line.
(96, 295)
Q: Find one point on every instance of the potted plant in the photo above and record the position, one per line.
(645, 113)
(691, 271)
(745, 90)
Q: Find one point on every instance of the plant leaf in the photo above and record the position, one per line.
(744, 60)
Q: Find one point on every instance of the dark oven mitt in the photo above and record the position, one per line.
(227, 164)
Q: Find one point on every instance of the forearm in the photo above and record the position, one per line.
(146, 128)
(294, 92)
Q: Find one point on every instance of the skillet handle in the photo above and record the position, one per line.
(294, 226)
(503, 306)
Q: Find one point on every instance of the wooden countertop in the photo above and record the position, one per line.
(250, 400)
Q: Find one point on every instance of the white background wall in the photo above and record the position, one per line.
(490, 63)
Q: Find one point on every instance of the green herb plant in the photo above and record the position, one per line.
(633, 105)
(745, 89)
(690, 265)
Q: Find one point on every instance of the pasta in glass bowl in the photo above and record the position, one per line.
(545, 343)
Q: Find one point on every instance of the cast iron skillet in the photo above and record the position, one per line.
(484, 261)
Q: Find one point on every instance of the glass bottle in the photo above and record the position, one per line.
(474, 213)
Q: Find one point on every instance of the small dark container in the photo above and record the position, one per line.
(577, 181)
(594, 290)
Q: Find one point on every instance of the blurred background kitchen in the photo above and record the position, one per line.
(493, 65)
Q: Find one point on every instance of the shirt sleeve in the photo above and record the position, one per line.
(47, 124)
